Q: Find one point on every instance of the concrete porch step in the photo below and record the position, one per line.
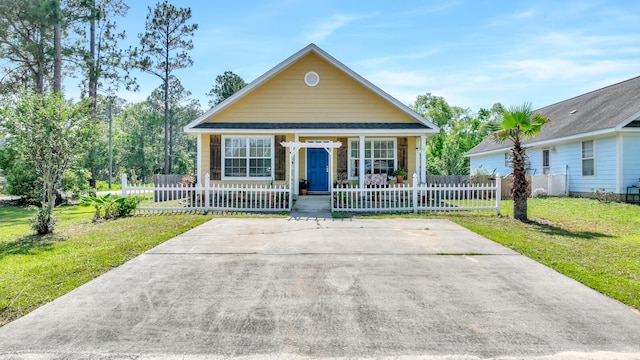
(312, 206)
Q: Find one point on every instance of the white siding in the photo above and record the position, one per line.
(492, 163)
(605, 164)
(562, 155)
(535, 160)
(631, 160)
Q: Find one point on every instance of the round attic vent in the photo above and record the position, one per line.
(311, 78)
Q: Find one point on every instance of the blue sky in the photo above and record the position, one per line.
(472, 53)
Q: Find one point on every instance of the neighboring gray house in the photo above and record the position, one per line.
(593, 138)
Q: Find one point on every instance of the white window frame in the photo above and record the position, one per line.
(349, 158)
(593, 158)
(546, 168)
(248, 157)
(507, 160)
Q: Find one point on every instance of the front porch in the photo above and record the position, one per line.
(326, 163)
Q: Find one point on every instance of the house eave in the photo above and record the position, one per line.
(545, 143)
(621, 126)
(317, 132)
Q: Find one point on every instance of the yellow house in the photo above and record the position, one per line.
(310, 118)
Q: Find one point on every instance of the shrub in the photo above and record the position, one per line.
(105, 202)
(21, 178)
(605, 196)
(42, 222)
(126, 207)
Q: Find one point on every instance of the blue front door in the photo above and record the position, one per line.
(317, 169)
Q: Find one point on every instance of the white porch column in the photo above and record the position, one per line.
(361, 162)
(292, 154)
(330, 172)
(418, 159)
(199, 161)
(296, 164)
(423, 159)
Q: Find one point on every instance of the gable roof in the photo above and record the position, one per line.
(597, 112)
(311, 48)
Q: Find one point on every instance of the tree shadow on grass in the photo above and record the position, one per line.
(558, 231)
(29, 244)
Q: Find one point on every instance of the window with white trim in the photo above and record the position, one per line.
(588, 158)
(247, 157)
(545, 161)
(507, 160)
(379, 156)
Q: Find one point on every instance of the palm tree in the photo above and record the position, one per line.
(516, 124)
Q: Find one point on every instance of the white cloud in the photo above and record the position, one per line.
(328, 26)
(578, 44)
(429, 9)
(523, 15)
(399, 78)
(508, 19)
(382, 60)
(549, 69)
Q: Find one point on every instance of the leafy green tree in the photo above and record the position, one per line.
(138, 141)
(100, 61)
(182, 111)
(185, 146)
(27, 43)
(50, 131)
(163, 50)
(21, 178)
(226, 85)
(97, 50)
(460, 130)
(515, 125)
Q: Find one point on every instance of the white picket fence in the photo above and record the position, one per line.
(208, 197)
(264, 198)
(417, 197)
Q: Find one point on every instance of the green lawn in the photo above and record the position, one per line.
(35, 270)
(595, 243)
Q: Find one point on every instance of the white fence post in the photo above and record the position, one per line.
(124, 185)
(414, 193)
(498, 193)
(207, 195)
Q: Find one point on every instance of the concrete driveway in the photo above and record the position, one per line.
(300, 289)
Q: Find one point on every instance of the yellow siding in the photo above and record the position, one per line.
(286, 98)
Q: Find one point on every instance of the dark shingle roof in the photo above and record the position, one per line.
(601, 109)
(311, 126)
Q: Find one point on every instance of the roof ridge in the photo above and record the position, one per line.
(589, 92)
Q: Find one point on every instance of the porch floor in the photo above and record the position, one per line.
(312, 206)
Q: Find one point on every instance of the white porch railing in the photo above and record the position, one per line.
(417, 197)
(207, 197)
